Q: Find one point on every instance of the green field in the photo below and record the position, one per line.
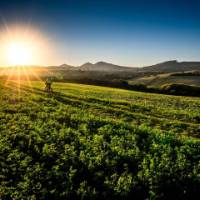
(161, 79)
(90, 142)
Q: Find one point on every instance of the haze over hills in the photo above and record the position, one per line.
(103, 73)
(168, 66)
(172, 66)
(154, 75)
(104, 66)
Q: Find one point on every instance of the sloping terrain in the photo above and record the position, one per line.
(90, 142)
(172, 66)
(101, 73)
(161, 79)
(103, 66)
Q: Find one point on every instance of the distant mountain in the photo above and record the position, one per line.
(104, 66)
(172, 66)
(86, 66)
(169, 66)
(63, 67)
(66, 67)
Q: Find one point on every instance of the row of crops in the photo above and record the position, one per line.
(88, 142)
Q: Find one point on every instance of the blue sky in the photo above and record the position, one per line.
(124, 32)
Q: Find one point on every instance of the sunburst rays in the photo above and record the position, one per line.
(24, 44)
(21, 76)
(43, 50)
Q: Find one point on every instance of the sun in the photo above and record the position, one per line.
(26, 45)
(19, 53)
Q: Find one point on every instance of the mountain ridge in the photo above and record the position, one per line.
(103, 66)
(167, 66)
(173, 66)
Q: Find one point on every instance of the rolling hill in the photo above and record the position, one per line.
(104, 66)
(91, 142)
(167, 78)
(103, 73)
(168, 66)
(172, 66)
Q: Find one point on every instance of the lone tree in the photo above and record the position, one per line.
(48, 84)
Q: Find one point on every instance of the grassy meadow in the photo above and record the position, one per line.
(167, 78)
(91, 142)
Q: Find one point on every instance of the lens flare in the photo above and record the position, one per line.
(19, 53)
(23, 50)
(25, 45)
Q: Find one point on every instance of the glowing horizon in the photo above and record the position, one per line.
(127, 33)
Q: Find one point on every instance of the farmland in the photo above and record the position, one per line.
(91, 142)
(161, 79)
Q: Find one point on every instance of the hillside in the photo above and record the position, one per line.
(172, 66)
(168, 78)
(90, 142)
(168, 66)
(102, 73)
(103, 66)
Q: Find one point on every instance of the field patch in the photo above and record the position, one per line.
(90, 142)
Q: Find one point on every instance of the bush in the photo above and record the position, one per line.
(139, 87)
(181, 89)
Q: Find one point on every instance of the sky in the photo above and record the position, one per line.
(124, 32)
